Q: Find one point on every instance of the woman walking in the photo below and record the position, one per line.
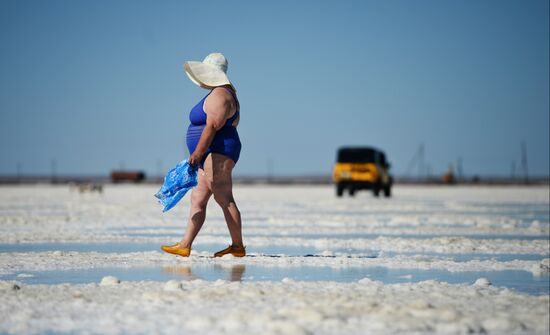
(214, 145)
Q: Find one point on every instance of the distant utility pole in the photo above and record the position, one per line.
(418, 160)
(524, 162)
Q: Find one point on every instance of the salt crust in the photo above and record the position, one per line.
(277, 215)
(55, 214)
(287, 307)
(55, 260)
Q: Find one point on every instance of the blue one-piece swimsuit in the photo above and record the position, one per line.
(225, 142)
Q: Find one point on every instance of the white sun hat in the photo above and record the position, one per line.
(210, 73)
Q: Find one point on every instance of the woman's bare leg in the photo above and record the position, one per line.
(197, 213)
(218, 169)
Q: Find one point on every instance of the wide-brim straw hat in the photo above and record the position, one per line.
(210, 73)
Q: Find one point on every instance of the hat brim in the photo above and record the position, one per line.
(204, 75)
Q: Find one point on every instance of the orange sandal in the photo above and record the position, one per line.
(176, 250)
(237, 251)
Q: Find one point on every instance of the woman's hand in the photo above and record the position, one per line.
(195, 158)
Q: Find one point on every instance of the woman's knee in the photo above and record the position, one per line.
(199, 205)
(223, 198)
(200, 200)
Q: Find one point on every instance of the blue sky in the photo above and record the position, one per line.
(99, 84)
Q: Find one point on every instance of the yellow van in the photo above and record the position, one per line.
(359, 168)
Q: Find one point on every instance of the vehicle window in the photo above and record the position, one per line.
(356, 156)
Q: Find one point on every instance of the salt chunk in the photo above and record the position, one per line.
(366, 281)
(219, 282)
(109, 280)
(25, 275)
(541, 268)
(172, 285)
(57, 253)
(287, 280)
(482, 282)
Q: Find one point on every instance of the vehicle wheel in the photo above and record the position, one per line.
(387, 191)
(376, 190)
(351, 191)
(339, 190)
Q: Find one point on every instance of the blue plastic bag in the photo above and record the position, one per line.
(177, 182)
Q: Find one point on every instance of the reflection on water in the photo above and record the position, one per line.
(231, 272)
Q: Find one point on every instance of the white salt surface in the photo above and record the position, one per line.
(270, 214)
(287, 307)
(459, 220)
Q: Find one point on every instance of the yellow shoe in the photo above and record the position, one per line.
(236, 251)
(176, 250)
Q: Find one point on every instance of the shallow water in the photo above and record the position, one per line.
(137, 247)
(123, 247)
(522, 281)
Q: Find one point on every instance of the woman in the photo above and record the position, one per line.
(214, 145)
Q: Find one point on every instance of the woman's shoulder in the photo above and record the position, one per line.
(220, 98)
(224, 92)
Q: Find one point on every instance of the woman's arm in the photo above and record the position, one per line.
(217, 107)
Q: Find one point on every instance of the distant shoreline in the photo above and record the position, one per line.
(275, 180)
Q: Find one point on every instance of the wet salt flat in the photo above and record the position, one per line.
(269, 250)
(470, 254)
(521, 281)
(137, 246)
